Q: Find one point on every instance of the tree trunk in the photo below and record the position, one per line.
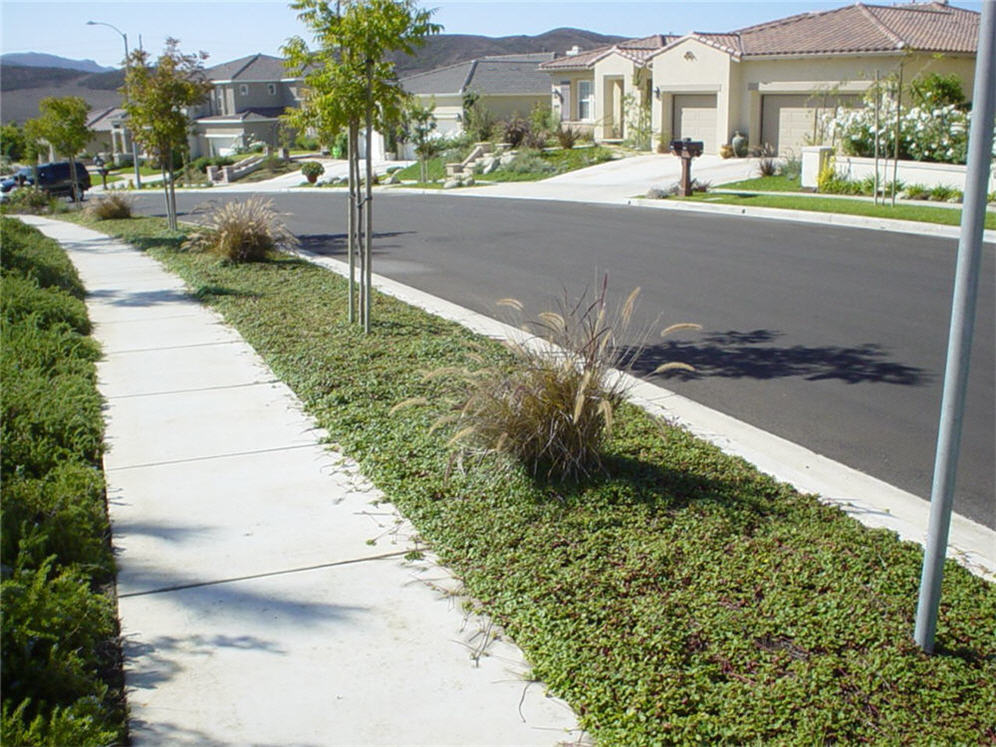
(368, 228)
(351, 225)
(174, 223)
(162, 171)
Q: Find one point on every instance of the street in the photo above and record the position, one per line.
(831, 337)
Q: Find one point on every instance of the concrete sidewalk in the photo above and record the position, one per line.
(264, 596)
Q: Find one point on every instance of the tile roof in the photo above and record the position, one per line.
(506, 74)
(102, 121)
(929, 27)
(254, 114)
(253, 67)
(637, 50)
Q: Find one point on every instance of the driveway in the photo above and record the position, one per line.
(626, 178)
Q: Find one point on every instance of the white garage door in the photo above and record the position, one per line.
(790, 121)
(695, 117)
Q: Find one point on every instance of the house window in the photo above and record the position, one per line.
(586, 100)
(271, 88)
(243, 89)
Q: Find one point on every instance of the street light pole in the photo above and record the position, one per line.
(134, 148)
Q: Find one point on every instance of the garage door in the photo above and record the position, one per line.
(790, 121)
(695, 117)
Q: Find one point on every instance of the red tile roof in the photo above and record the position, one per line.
(929, 27)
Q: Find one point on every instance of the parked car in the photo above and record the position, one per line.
(55, 178)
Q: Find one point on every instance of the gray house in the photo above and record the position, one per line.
(505, 85)
(249, 95)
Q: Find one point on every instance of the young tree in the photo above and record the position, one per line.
(351, 83)
(157, 99)
(63, 125)
(12, 141)
(420, 123)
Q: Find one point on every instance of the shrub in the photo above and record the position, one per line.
(554, 409)
(535, 139)
(109, 207)
(514, 131)
(30, 200)
(916, 192)
(25, 252)
(792, 168)
(312, 170)
(566, 137)
(696, 185)
(767, 166)
(21, 298)
(530, 163)
(242, 231)
(945, 193)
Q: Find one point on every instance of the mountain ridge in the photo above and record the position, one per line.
(42, 59)
(23, 86)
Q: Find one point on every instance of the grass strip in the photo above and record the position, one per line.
(61, 678)
(686, 598)
(925, 214)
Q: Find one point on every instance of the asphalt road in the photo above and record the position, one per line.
(831, 337)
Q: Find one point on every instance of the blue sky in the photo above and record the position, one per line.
(228, 30)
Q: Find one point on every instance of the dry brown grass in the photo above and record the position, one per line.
(110, 207)
(242, 231)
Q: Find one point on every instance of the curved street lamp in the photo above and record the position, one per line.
(134, 148)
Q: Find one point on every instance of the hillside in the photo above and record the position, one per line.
(22, 87)
(38, 59)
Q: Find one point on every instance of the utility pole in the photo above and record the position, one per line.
(966, 290)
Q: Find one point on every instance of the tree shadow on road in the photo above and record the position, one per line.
(734, 354)
(333, 244)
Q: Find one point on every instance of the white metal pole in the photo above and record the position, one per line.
(966, 288)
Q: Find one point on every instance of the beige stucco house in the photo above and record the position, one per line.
(767, 81)
(506, 85)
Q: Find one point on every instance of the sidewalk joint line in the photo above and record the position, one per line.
(269, 574)
(174, 347)
(213, 456)
(195, 389)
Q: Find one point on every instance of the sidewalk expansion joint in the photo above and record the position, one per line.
(175, 347)
(226, 455)
(195, 389)
(269, 574)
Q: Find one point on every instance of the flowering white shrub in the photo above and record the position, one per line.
(926, 133)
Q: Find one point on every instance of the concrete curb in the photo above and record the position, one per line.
(867, 499)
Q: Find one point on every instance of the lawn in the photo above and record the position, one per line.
(926, 214)
(682, 597)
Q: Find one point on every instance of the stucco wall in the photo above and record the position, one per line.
(613, 82)
(816, 75)
(692, 68)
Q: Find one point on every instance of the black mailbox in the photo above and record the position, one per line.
(687, 148)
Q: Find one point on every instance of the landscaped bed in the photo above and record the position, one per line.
(61, 667)
(682, 598)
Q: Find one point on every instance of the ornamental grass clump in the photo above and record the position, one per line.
(109, 207)
(242, 231)
(553, 410)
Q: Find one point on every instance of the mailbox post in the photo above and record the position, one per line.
(686, 150)
(102, 169)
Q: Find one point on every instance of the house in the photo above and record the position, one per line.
(245, 104)
(767, 81)
(593, 90)
(506, 85)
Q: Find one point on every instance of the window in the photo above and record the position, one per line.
(271, 88)
(586, 100)
(243, 89)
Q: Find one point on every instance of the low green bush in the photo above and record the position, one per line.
(58, 633)
(23, 250)
(529, 162)
(31, 201)
(312, 170)
(566, 137)
(21, 298)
